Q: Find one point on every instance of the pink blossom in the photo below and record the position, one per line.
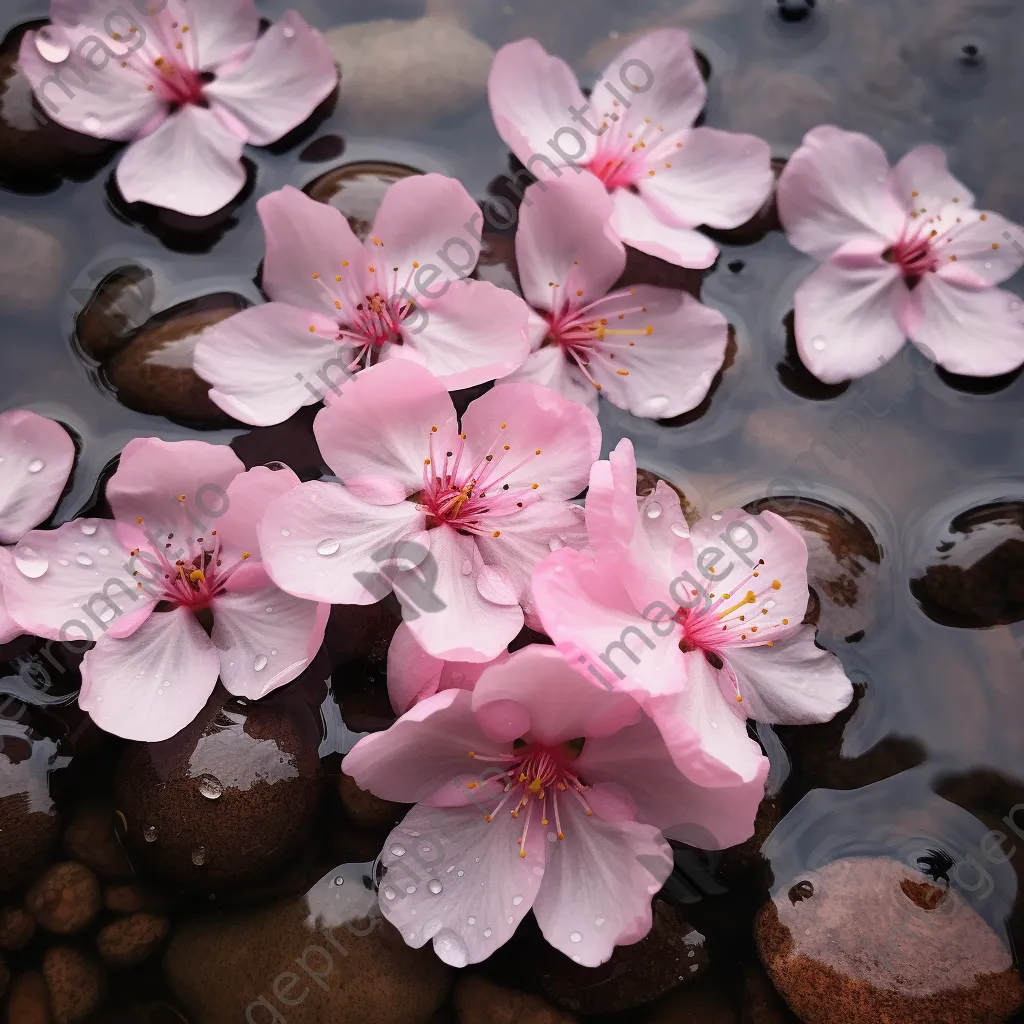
(36, 456)
(485, 505)
(188, 84)
(904, 254)
(339, 304)
(636, 135)
(653, 351)
(539, 790)
(414, 675)
(704, 628)
(171, 586)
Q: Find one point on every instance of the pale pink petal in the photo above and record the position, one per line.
(976, 333)
(309, 245)
(532, 95)
(264, 636)
(173, 487)
(564, 239)
(591, 618)
(847, 318)
(636, 758)
(555, 440)
(76, 582)
(454, 877)
(467, 626)
(527, 537)
(988, 248)
(716, 178)
(473, 333)
(671, 360)
(421, 752)
(794, 682)
(248, 496)
(321, 542)
(9, 629)
(598, 884)
(673, 92)
(834, 188)
(191, 164)
(701, 713)
(36, 456)
(639, 226)
(265, 364)
(426, 219)
(109, 104)
(552, 701)
(921, 181)
(549, 367)
(380, 427)
(150, 685)
(288, 74)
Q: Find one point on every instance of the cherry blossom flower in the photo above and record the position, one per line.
(539, 790)
(172, 586)
(454, 521)
(904, 254)
(188, 84)
(414, 675)
(636, 136)
(705, 628)
(36, 456)
(339, 304)
(652, 351)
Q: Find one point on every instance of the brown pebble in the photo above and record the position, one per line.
(65, 899)
(133, 898)
(75, 983)
(357, 190)
(364, 808)
(477, 1001)
(29, 1002)
(90, 839)
(17, 926)
(132, 939)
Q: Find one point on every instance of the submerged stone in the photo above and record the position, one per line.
(478, 1001)
(357, 190)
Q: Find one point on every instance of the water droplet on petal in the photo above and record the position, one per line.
(63, 561)
(260, 663)
(657, 404)
(210, 787)
(410, 889)
(150, 834)
(471, 920)
(83, 559)
(575, 937)
(487, 933)
(555, 544)
(300, 558)
(270, 608)
(339, 880)
(517, 901)
(30, 563)
(91, 123)
(460, 873)
(679, 529)
(435, 886)
(288, 32)
(88, 529)
(818, 343)
(599, 921)
(398, 850)
(104, 552)
(328, 547)
(654, 510)
(286, 533)
(389, 893)
(450, 948)
(36, 466)
(52, 45)
(552, 837)
(716, 516)
(714, 724)
(467, 567)
(107, 613)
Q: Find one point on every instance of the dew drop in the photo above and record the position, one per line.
(30, 563)
(654, 510)
(286, 533)
(36, 466)
(450, 948)
(339, 880)
(435, 886)
(460, 873)
(108, 613)
(64, 562)
(88, 529)
(83, 559)
(410, 889)
(104, 552)
(260, 663)
(599, 921)
(714, 724)
(328, 547)
(679, 529)
(300, 558)
(552, 838)
(210, 787)
(91, 123)
(150, 834)
(988, 265)
(288, 32)
(273, 651)
(769, 604)
(471, 920)
(398, 850)
(575, 937)
(415, 835)
(467, 567)
(389, 893)
(716, 516)
(555, 544)
(818, 343)
(517, 901)
(270, 608)
(487, 933)
(51, 46)
(511, 919)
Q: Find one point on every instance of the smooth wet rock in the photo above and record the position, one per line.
(478, 1001)
(28, 819)
(75, 982)
(871, 939)
(408, 74)
(31, 266)
(121, 303)
(646, 483)
(131, 940)
(671, 954)
(65, 898)
(90, 839)
(29, 1001)
(357, 190)
(702, 1003)
(220, 968)
(230, 799)
(153, 372)
(364, 808)
(17, 926)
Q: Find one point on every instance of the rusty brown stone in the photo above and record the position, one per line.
(478, 1001)
(130, 940)
(65, 898)
(75, 982)
(29, 1001)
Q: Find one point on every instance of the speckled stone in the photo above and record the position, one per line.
(17, 926)
(76, 984)
(131, 940)
(65, 898)
(870, 939)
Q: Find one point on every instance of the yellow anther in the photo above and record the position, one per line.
(472, 785)
(196, 576)
(750, 598)
(537, 452)
(426, 462)
(316, 277)
(497, 533)
(535, 786)
(785, 622)
(776, 585)
(622, 373)
(312, 329)
(246, 554)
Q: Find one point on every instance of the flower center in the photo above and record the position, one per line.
(624, 158)
(536, 778)
(466, 496)
(179, 84)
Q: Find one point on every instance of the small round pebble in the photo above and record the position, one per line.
(65, 898)
(75, 983)
(17, 926)
(29, 1002)
(132, 939)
